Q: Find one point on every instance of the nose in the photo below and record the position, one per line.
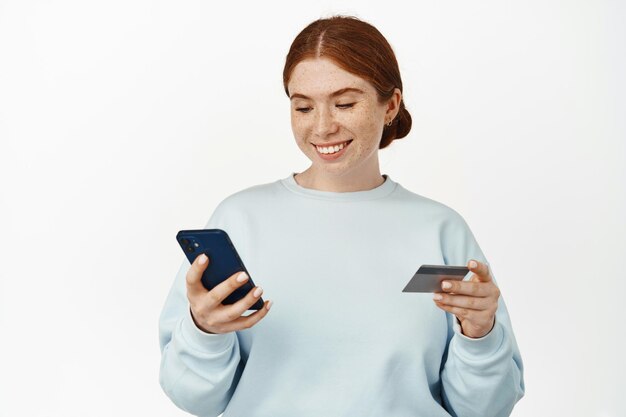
(325, 123)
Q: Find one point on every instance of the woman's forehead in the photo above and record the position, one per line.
(322, 78)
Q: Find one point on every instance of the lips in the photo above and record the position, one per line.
(335, 155)
(326, 145)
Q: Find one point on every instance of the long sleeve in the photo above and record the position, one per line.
(335, 264)
(480, 377)
(199, 371)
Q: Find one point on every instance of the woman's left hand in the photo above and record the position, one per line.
(473, 302)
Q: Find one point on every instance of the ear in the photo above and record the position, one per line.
(393, 105)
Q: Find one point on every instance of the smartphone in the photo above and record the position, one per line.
(224, 260)
(428, 278)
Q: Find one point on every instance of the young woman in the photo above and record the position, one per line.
(334, 246)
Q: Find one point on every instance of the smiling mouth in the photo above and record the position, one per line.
(331, 149)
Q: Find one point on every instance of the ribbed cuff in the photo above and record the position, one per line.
(479, 347)
(201, 340)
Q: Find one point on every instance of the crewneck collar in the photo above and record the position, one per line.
(382, 190)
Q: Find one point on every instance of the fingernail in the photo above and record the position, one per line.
(437, 297)
(473, 264)
(258, 291)
(446, 285)
(202, 259)
(242, 277)
(269, 305)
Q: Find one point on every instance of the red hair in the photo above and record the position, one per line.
(359, 48)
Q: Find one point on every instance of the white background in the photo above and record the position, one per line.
(122, 122)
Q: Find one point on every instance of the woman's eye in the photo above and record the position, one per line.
(303, 109)
(345, 106)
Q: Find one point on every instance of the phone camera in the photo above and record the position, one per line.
(190, 249)
(184, 242)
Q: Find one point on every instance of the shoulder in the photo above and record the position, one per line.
(456, 239)
(428, 209)
(253, 196)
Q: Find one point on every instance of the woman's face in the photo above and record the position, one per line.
(330, 106)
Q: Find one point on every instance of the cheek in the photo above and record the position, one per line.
(365, 124)
(366, 118)
(300, 133)
(297, 127)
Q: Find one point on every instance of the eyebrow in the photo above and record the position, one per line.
(335, 94)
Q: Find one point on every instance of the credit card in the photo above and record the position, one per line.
(428, 278)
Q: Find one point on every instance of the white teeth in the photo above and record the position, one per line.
(331, 149)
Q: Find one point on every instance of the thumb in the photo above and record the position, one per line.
(481, 270)
(194, 275)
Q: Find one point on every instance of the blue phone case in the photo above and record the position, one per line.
(224, 260)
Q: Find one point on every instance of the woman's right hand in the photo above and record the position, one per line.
(207, 310)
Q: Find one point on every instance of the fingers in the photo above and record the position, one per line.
(232, 312)
(464, 301)
(210, 315)
(245, 322)
(480, 269)
(474, 323)
(225, 288)
(228, 318)
(480, 284)
(460, 312)
(474, 288)
(194, 275)
(473, 302)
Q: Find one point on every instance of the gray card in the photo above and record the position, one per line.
(428, 278)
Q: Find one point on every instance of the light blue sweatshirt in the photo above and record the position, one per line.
(341, 338)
